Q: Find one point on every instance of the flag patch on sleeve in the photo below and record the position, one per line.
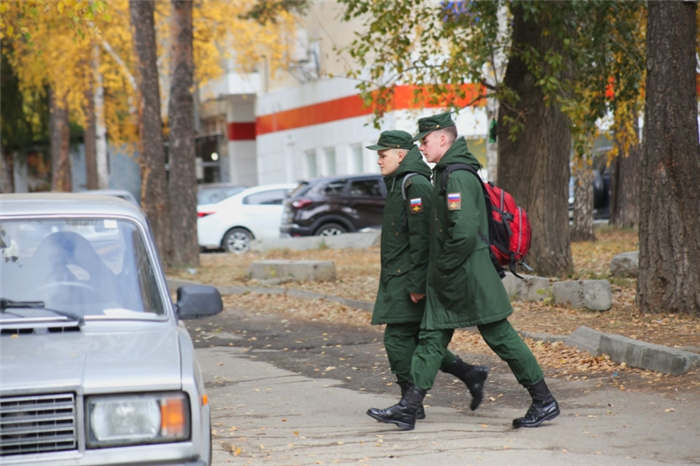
(454, 201)
(416, 205)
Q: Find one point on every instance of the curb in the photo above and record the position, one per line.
(621, 349)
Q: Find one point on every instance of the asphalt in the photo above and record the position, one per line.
(287, 392)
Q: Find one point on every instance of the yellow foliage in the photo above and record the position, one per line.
(65, 44)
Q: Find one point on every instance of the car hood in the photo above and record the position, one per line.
(104, 357)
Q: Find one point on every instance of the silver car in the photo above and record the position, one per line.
(95, 366)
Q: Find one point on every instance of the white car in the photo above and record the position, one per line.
(231, 224)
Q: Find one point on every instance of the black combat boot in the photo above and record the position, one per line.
(420, 414)
(472, 376)
(544, 407)
(402, 414)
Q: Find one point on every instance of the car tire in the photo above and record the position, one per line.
(237, 240)
(330, 229)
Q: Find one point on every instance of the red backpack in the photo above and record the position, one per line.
(509, 227)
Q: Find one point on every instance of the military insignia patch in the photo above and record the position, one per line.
(416, 205)
(454, 201)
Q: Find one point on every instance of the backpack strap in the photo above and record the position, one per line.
(405, 184)
(443, 189)
(489, 214)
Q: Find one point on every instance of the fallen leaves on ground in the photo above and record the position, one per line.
(358, 278)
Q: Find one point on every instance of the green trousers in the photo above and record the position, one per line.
(501, 338)
(400, 341)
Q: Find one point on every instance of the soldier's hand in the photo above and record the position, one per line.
(415, 297)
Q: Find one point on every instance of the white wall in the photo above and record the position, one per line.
(282, 154)
(242, 163)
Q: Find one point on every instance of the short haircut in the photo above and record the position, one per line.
(450, 132)
(395, 150)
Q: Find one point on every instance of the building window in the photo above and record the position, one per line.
(311, 170)
(356, 160)
(330, 161)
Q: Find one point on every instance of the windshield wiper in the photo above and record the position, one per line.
(11, 304)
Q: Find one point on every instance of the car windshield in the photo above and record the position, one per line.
(85, 267)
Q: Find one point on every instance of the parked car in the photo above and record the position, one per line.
(602, 185)
(234, 222)
(95, 367)
(334, 205)
(120, 193)
(212, 193)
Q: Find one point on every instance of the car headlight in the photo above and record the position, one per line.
(137, 419)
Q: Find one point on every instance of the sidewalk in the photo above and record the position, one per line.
(278, 417)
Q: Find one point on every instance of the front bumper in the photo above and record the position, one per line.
(169, 454)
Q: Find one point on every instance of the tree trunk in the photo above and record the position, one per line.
(59, 131)
(154, 185)
(494, 78)
(8, 172)
(582, 227)
(624, 198)
(90, 143)
(669, 254)
(535, 167)
(100, 125)
(183, 181)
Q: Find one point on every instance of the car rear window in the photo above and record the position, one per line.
(300, 190)
(365, 188)
(273, 197)
(214, 195)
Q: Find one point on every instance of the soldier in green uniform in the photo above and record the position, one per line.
(463, 288)
(404, 258)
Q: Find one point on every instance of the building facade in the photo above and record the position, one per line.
(308, 120)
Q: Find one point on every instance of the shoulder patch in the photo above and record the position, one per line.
(454, 201)
(416, 205)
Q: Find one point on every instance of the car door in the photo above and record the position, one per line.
(263, 212)
(367, 196)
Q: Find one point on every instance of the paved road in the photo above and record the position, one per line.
(295, 393)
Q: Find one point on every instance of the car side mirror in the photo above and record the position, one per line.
(197, 301)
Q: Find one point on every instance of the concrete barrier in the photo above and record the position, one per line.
(595, 295)
(297, 270)
(345, 241)
(530, 288)
(625, 265)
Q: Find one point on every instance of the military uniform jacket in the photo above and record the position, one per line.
(463, 288)
(404, 244)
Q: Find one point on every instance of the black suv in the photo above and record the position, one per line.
(334, 205)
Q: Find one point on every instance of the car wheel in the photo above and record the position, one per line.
(237, 240)
(331, 229)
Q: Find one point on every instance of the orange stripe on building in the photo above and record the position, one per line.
(398, 98)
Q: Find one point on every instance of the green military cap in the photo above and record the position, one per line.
(393, 140)
(429, 124)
